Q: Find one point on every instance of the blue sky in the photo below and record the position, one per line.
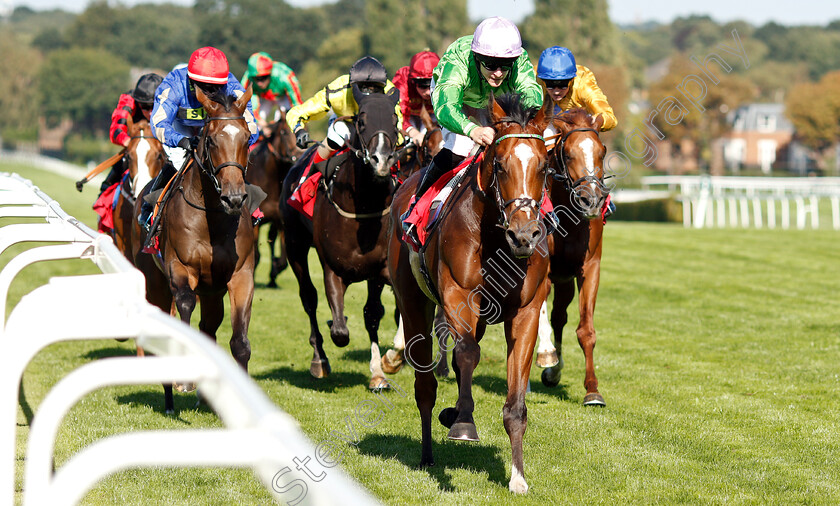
(621, 11)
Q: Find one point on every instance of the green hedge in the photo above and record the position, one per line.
(659, 210)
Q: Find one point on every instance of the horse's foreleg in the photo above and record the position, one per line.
(241, 295)
(373, 312)
(335, 288)
(588, 284)
(521, 334)
(466, 355)
(564, 292)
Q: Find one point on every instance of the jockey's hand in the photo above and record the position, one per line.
(188, 143)
(483, 136)
(415, 136)
(301, 138)
(125, 143)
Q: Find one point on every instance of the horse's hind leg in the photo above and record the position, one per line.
(241, 294)
(442, 333)
(564, 292)
(335, 288)
(374, 311)
(547, 355)
(278, 263)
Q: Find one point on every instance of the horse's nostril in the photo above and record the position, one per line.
(536, 234)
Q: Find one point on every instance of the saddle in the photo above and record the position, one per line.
(303, 194)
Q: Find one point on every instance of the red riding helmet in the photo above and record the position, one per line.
(208, 65)
(422, 64)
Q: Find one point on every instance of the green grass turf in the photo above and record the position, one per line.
(717, 354)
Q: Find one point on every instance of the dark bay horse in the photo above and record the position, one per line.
(578, 194)
(349, 229)
(268, 164)
(144, 157)
(207, 237)
(482, 267)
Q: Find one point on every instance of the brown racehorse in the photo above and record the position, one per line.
(578, 194)
(483, 270)
(144, 157)
(349, 229)
(207, 237)
(268, 164)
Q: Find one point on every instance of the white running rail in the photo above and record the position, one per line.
(728, 201)
(256, 434)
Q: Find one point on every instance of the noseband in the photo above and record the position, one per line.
(566, 179)
(216, 168)
(521, 202)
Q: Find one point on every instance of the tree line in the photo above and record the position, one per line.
(62, 65)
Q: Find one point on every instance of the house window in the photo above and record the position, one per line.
(766, 123)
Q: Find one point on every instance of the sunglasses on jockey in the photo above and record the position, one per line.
(560, 83)
(492, 63)
(423, 83)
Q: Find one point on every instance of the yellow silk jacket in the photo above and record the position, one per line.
(585, 93)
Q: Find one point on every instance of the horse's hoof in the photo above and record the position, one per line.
(427, 462)
(392, 361)
(594, 399)
(447, 417)
(547, 380)
(320, 368)
(121, 339)
(184, 388)
(378, 383)
(517, 484)
(271, 284)
(463, 431)
(170, 411)
(547, 359)
(342, 338)
(442, 370)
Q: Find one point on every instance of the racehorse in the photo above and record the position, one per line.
(578, 193)
(349, 229)
(207, 238)
(482, 268)
(268, 165)
(144, 157)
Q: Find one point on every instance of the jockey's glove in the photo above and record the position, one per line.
(188, 143)
(301, 138)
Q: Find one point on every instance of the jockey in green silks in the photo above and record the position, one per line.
(491, 60)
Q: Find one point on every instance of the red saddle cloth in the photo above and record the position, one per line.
(104, 207)
(303, 198)
(421, 216)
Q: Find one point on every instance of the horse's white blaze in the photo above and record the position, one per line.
(588, 148)
(231, 130)
(544, 331)
(524, 153)
(142, 177)
(517, 481)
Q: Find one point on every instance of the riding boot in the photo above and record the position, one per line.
(158, 182)
(114, 176)
(430, 175)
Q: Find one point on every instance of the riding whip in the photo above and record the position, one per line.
(107, 164)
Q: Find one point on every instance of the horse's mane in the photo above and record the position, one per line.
(576, 117)
(515, 111)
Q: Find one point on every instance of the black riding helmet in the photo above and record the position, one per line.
(368, 71)
(144, 91)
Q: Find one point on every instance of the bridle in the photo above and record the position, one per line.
(206, 152)
(566, 179)
(519, 202)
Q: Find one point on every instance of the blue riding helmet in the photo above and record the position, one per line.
(556, 63)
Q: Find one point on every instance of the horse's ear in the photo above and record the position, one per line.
(598, 122)
(394, 95)
(426, 118)
(496, 111)
(545, 115)
(202, 98)
(242, 102)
